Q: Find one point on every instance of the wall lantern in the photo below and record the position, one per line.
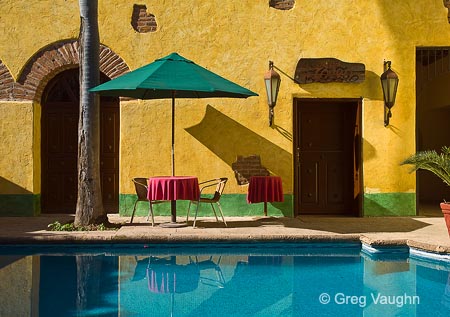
(389, 83)
(272, 80)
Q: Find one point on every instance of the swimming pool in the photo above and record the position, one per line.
(270, 279)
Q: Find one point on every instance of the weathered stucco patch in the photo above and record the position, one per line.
(142, 21)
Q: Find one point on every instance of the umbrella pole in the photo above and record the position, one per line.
(173, 133)
(173, 203)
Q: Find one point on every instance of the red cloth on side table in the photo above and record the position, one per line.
(173, 188)
(265, 189)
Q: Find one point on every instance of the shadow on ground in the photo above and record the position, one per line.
(23, 228)
(335, 224)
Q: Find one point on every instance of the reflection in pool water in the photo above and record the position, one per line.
(296, 279)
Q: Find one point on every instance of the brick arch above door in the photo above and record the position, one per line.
(48, 62)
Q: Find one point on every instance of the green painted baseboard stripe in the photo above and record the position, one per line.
(389, 204)
(19, 205)
(380, 204)
(232, 205)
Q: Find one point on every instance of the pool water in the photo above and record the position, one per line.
(276, 279)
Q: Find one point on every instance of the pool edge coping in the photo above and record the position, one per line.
(83, 238)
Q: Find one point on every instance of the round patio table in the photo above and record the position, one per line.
(173, 188)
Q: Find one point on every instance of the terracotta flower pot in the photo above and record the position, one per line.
(445, 207)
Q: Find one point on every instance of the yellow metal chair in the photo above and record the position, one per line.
(141, 186)
(219, 184)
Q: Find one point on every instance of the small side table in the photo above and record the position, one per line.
(265, 189)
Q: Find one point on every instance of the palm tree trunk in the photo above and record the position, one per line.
(89, 204)
(89, 269)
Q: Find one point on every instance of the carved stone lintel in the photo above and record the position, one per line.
(327, 70)
(447, 5)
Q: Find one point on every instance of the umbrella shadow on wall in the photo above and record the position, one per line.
(228, 138)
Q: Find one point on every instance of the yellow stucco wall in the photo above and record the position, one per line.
(235, 39)
(19, 286)
(16, 151)
(28, 26)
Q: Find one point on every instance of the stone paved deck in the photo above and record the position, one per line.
(427, 233)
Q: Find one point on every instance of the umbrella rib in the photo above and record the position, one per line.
(146, 91)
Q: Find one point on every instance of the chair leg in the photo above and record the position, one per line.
(214, 210)
(196, 212)
(189, 209)
(221, 213)
(150, 212)
(134, 210)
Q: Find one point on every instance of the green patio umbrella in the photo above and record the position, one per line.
(172, 77)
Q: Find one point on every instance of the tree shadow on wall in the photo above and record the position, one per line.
(228, 138)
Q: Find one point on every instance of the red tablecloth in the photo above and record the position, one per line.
(173, 188)
(265, 189)
(175, 278)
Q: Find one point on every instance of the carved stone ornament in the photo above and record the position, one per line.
(282, 4)
(328, 70)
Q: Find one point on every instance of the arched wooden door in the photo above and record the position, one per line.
(59, 146)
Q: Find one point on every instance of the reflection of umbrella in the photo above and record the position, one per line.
(172, 77)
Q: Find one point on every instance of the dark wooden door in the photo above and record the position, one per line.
(326, 169)
(109, 145)
(59, 146)
(59, 157)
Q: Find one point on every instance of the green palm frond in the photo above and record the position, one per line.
(437, 163)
